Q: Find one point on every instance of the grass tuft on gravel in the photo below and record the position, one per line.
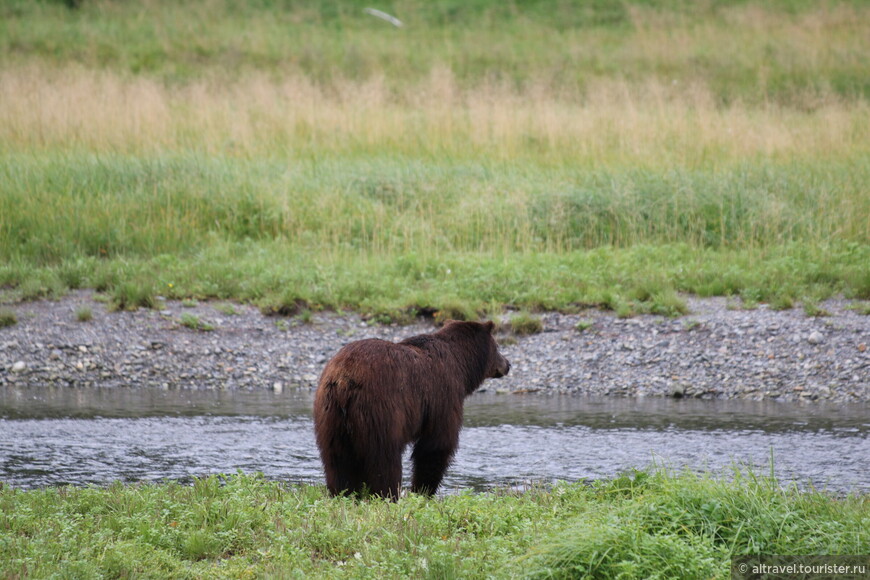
(7, 318)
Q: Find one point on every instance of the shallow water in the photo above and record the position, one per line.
(51, 436)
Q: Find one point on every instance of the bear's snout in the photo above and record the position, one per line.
(501, 369)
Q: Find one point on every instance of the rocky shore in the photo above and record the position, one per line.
(716, 351)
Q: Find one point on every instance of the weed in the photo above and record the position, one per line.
(283, 304)
(524, 324)
(305, 316)
(193, 322)
(7, 317)
(583, 325)
(84, 314)
(625, 310)
(813, 309)
(665, 303)
(453, 310)
(227, 308)
(782, 302)
(132, 296)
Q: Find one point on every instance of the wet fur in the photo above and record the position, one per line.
(375, 397)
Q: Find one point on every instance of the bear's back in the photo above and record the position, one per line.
(371, 361)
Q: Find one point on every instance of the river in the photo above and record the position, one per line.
(54, 436)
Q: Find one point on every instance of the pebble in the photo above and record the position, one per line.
(714, 352)
(816, 337)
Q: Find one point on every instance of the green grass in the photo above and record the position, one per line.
(642, 525)
(84, 314)
(7, 318)
(387, 235)
(524, 323)
(282, 279)
(194, 322)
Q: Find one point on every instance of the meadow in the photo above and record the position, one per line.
(485, 155)
(646, 524)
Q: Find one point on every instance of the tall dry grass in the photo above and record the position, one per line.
(613, 122)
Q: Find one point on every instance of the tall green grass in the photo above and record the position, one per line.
(690, 527)
(388, 235)
(56, 207)
(642, 525)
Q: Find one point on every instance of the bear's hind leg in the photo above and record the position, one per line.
(382, 475)
(344, 478)
(430, 464)
(341, 462)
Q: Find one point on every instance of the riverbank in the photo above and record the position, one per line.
(717, 351)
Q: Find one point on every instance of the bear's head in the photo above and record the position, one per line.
(499, 366)
(492, 365)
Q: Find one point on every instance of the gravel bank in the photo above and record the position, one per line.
(714, 352)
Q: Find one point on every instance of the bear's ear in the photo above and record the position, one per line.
(489, 325)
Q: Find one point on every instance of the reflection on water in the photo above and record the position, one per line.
(59, 435)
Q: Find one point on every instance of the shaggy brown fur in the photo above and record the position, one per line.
(375, 397)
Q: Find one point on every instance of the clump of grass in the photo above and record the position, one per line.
(782, 302)
(812, 309)
(625, 309)
(193, 322)
(132, 296)
(453, 310)
(84, 314)
(524, 324)
(7, 317)
(583, 325)
(862, 308)
(305, 316)
(227, 308)
(667, 303)
(41, 285)
(284, 303)
(654, 297)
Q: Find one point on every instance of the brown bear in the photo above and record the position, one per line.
(375, 397)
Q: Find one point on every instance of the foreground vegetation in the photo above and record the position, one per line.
(643, 525)
(536, 155)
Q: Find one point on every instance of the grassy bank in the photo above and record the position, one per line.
(646, 525)
(536, 155)
(389, 235)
